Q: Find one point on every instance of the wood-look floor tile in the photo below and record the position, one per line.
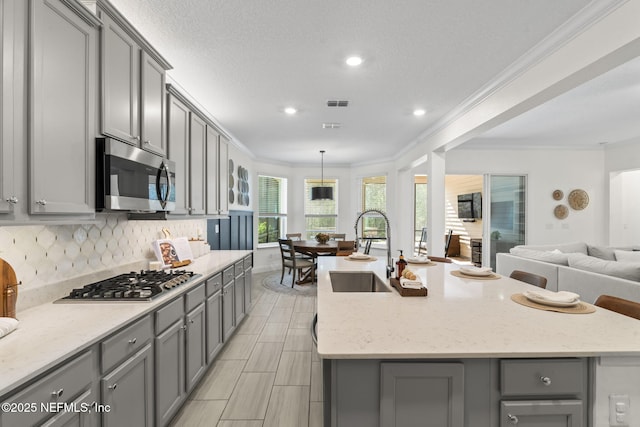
(288, 407)
(300, 320)
(240, 423)
(315, 357)
(285, 301)
(315, 414)
(273, 332)
(239, 347)
(220, 381)
(252, 324)
(262, 308)
(199, 413)
(305, 305)
(250, 398)
(294, 368)
(298, 340)
(270, 297)
(315, 395)
(264, 357)
(280, 315)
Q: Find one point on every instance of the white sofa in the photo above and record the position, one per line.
(577, 267)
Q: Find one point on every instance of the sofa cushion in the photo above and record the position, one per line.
(624, 270)
(566, 248)
(627, 256)
(602, 252)
(554, 257)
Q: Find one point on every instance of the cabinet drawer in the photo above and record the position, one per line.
(239, 268)
(533, 413)
(228, 275)
(169, 314)
(194, 297)
(542, 377)
(62, 385)
(248, 262)
(125, 343)
(214, 284)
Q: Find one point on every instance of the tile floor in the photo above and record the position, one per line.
(268, 374)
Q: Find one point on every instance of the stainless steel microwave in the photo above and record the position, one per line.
(132, 179)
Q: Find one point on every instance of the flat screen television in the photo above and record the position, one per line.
(470, 206)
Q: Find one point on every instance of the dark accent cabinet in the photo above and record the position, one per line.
(233, 233)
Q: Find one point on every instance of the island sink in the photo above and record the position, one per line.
(357, 281)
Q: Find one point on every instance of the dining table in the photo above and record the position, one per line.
(313, 248)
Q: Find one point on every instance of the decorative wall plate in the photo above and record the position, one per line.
(558, 195)
(561, 211)
(578, 199)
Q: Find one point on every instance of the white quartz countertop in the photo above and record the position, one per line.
(460, 318)
(49, 333)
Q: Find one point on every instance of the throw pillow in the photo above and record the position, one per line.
(627, 256)
(566, 248)
(623, 270)
(602, 252)
(545, 256)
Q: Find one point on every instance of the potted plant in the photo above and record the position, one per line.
(322, 238)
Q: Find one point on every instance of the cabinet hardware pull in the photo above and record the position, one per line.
(58, 393)
(41, 202)
(148, 142)
(13, 200)
(137, 138)
(546, 381)
(133, 340)
(114, 386)
(184, 327)
(192, 321)
(513, 419)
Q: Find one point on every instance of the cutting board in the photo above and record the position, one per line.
(8, 290)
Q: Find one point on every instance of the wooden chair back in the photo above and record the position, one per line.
(367, 246)
(530, 278)
(440, 259)
(619, 305)
(346, 247)
(447, 243)
(337, 236)
(286, 250)
(294, 236)
(422, 245)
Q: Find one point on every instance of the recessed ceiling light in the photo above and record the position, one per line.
(353, 61)
(419, 112)
(290, 110)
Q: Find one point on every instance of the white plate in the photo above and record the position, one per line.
(359, 256)
(423, 260)
(475, 271)
(544, 301)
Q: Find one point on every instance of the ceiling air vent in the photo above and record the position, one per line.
(331, 125)
(337, 103)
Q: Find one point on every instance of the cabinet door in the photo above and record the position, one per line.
(223, 175)
(169, 368)
(196, 165)
(152, 80)
(63, 71)
(128, 391)
(79, 417)
(541, 413)
(178, 151)
(196, 356)
(213, 189)
(239, 297)
(228, 318)
(214, 325)
(422, 394)
(120, 80)
(247, 290)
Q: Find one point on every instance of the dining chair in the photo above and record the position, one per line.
(294, 236)
(440, 259)
(367, 246)
(346, 247)
(337, 236)
(293, 263)
(447, 243)
(530, 278)
(423, 241)
(619, 305)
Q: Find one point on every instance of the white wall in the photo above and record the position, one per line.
(622, 167)
(619, 376)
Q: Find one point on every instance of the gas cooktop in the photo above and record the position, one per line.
(135, 286)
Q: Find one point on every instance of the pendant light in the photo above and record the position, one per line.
(322, 192)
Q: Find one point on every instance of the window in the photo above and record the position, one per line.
(420, 205)
(321, 216)
(374, 196)
(272, 208)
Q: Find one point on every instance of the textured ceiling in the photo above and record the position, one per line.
(244, 61)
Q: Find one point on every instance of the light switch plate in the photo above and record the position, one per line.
(619, 410)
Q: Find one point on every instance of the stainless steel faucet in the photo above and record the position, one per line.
(384, 215)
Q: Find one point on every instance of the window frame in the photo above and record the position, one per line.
(307, 185)
(281, 216)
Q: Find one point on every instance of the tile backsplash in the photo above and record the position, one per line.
(43, 255)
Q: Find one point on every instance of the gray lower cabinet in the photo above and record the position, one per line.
(421, 394)
(196, 339)
(239, 292)
(228, 305)
(63, 69)
(128, 390)
(214, 316)
(542, 413)
(248, 265)
(169, 387)
(78, 417)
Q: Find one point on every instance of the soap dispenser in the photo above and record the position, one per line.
(400, 265)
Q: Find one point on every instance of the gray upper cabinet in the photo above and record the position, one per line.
(62, 71)
(133, 84)
(212, 182)
(197, 159)
(178, 149)
(223, 175)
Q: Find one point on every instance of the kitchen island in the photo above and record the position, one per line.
(462, 354)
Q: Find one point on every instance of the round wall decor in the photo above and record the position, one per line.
(558, 195)
(561, 211)
(578, 199)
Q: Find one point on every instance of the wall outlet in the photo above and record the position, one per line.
(619, 410)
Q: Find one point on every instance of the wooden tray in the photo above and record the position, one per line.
(408, 292)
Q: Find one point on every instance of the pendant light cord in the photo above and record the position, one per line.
(322, 169)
